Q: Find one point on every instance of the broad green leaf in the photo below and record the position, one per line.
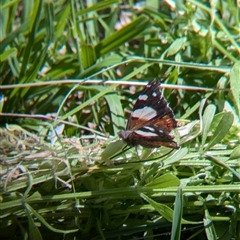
(116, 111)
(177, 156)
(166, 180)
(217, 118)
(221, 130)
(176, 46)
(207, 121)
(112, 149)
(235, 85)
(235, 153)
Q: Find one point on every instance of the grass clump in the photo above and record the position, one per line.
(66, 92)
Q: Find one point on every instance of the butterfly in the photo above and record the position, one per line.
(151, 120)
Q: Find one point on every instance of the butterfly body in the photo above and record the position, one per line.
(151, 120)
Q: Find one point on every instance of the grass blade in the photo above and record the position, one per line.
(177, 216)
(118, 38)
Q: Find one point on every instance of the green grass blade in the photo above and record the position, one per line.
(97, 6)
(164, 210)
(209, 227)
(33, 230)
(43, 221)
(177, 216)
(35, 18)
(88, 56)
(118, 38)
(96, 97)
(7, 54)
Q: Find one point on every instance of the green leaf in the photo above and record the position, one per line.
(98, 6)
(49, 18)
(125, 34)
(166, 180)
(209, 226)
(235, 153)
(33, 230)
(96, 68)
(112, 149)
(221, 130)
(8, 53)
(62, 19)
(164, 210)
(116, 111)
(78, 108)
(176, 46)
(235, 85)
(206, 122)
(88, 55)
(177, 216)
(34, 21)
(177, 156)
(30, 210)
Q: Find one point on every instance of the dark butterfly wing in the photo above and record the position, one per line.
(150, 136)
(151, 120)
(151, 108)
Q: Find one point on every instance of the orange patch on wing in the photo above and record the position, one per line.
(167, 122)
